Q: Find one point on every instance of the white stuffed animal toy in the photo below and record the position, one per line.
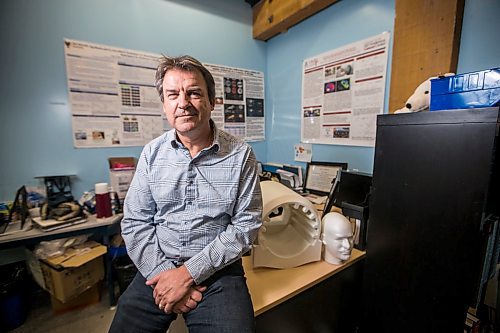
(421, 98)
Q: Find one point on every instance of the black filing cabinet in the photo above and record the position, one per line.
(433, 209)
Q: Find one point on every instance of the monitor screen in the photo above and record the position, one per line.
(320, 176)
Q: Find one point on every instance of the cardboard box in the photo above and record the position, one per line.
(121, 172)
(74, 272)
(88, 297)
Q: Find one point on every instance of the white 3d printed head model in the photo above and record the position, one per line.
(290, 232)
(337, 237)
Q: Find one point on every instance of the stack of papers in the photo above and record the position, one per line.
(49, 225)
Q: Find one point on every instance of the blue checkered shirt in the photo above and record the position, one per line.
(203, 212)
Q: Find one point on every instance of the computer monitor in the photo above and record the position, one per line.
(321, 175)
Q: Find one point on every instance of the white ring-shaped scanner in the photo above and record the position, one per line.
(290, 232)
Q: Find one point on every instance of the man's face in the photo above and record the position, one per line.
(185, 100)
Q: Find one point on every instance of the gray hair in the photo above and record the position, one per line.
(185, 63)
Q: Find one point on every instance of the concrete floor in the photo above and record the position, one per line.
(95, 318)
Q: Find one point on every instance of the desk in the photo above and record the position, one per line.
(315, 297)
(102, 227)
(310, 298)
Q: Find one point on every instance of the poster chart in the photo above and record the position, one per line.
(112, 95)
(114, 101)
(239, 101)
(343, 92)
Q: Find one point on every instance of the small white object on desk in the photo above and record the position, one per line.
(337, 237)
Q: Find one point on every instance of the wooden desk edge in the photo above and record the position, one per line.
(259, 309)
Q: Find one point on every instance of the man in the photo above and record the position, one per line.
(192, 210)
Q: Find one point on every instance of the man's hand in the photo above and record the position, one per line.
(190, 301)
(171, 286)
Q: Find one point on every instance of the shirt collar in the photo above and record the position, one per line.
(175, 143)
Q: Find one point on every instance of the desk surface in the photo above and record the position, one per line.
(270, 287)
(35, 233)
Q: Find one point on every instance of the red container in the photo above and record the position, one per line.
(102, 200)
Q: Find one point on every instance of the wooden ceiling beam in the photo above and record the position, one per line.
(426, 43)
(272, 17)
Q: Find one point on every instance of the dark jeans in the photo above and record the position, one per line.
(226, 307)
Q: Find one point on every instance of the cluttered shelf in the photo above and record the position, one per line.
(102, 227)
(37, 215)
(35, 235)
(66, 245)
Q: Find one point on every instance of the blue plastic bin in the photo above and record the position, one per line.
(463, 91)
(13, 305)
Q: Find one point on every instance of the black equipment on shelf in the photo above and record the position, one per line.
(350, 191)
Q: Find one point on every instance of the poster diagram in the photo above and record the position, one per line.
(114, 101)
(233, 89)
(239, 102)
(343, 92)
(112, 95)
(255, 107)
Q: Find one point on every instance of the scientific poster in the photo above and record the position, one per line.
(114, 101)
(239, 101)
(343, 92)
